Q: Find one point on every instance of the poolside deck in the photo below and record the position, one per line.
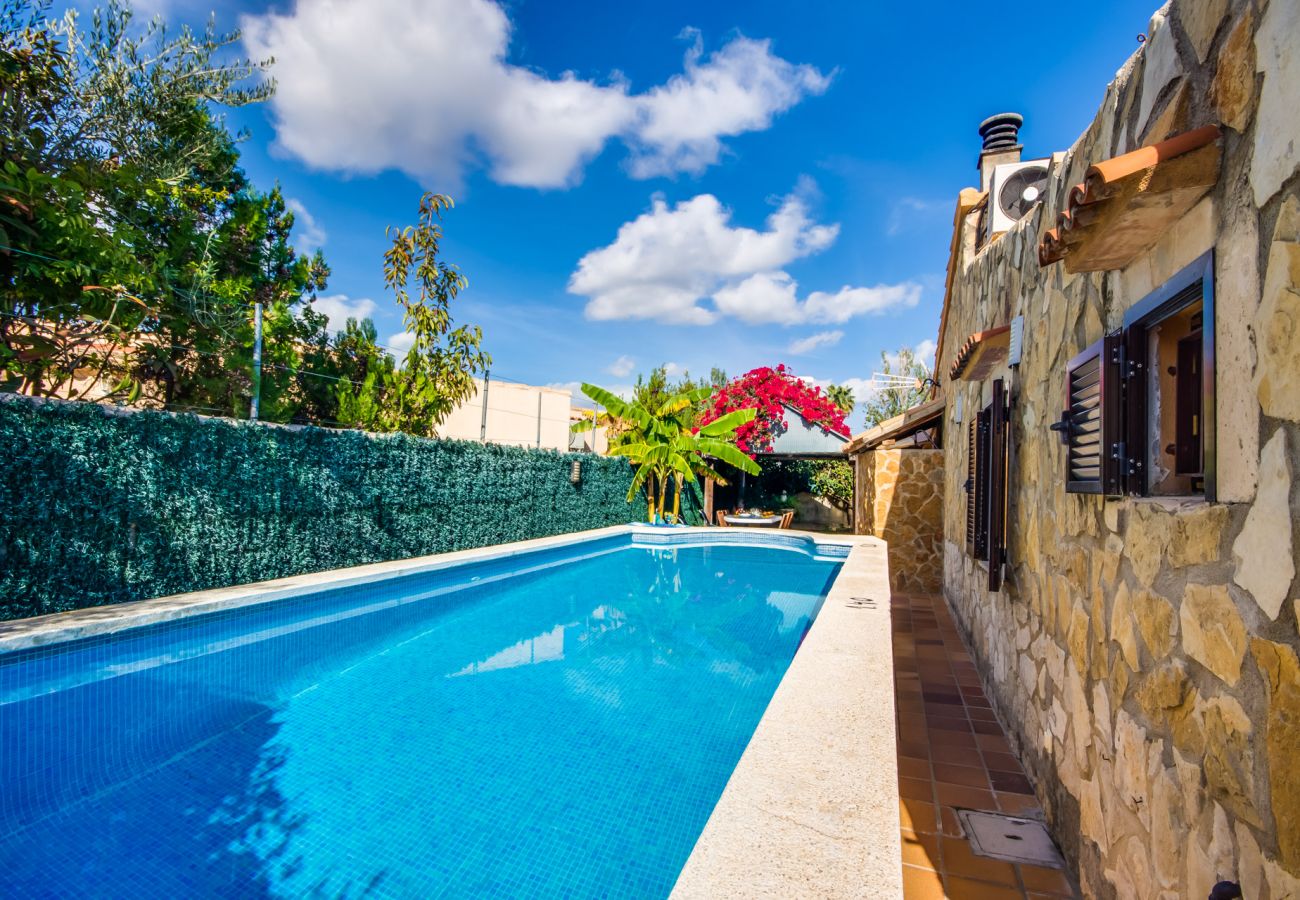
(952, 754)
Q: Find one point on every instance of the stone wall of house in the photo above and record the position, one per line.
(900, 500)
(1143, 652)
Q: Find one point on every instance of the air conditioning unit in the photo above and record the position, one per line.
(1013, 191)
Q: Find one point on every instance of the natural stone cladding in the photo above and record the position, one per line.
(901, 501)
(1145, 652)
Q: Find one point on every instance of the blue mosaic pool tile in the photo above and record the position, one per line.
(557, 726)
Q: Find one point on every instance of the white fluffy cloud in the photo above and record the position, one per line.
(772, 297)
(340, 307)
(309, 235)
(738, 89)
(813, 341)
(621, 367)
(669, 262)
(423, 86)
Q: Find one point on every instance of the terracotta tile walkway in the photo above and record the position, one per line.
(952, 754)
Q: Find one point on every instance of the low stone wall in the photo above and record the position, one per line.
(900, 500)
(1143, 651)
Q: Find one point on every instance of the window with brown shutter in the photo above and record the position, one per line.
(999, 410)
(1139, 404)
(1091, 423)
(971, 518)
(981, 486)
(987, 483)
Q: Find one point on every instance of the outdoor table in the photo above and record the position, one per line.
(753, 520)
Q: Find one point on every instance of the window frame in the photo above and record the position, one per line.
(972, 453)
(1124, 380)
(988, 477)
(999, 477)
(1192, 283)
(980, 490)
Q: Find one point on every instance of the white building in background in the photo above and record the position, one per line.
(522, 415)
(587, 441)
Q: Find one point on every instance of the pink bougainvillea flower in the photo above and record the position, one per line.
(773, 392)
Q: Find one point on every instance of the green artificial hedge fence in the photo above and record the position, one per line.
(97, 506)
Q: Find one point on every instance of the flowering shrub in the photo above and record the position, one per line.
(773, 392)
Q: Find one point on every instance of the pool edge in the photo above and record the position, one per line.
(62, 627)
(811, 809)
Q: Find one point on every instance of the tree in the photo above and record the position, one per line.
(138, 247)
(654, 389)
(833, 479)
(772, 392)
(249, 258)
(893, 401)
(664, 445)
(842, 396)
(439, 369)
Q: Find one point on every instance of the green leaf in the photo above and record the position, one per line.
(728, 423)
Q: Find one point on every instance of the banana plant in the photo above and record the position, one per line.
(665, 448)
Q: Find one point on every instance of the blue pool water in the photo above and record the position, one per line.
(560, 725)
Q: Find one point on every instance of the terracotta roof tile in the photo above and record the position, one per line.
(1106, 222)
(982, 351)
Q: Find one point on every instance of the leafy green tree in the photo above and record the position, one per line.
(363, 369)
(664, 445)
(137, 247)
(833, 479)
(439, 370)
(653, 389)
(249, 258)
(893, 401)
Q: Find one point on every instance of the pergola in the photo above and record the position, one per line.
(801, 439)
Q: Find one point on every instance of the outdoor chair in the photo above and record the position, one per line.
(786, 518)
(721, 518)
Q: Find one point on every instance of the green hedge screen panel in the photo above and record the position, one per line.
(102, 507)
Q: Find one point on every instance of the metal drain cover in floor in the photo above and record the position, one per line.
(1010, 838)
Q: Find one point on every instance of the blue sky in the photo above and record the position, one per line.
(729, 184)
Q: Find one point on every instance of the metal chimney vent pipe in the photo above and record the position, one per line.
(1001, 132)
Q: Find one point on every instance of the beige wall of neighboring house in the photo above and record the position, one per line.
(596, 441)
(1144, 651)
(521, 415)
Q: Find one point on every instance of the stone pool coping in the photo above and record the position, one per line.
(811, 809)
(55, 628)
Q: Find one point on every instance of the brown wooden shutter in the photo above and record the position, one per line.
(1092, 426)
(972, 442)
(1081, 422)
(981, 487)
(999, 412)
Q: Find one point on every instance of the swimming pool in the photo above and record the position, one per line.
(559, 723)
